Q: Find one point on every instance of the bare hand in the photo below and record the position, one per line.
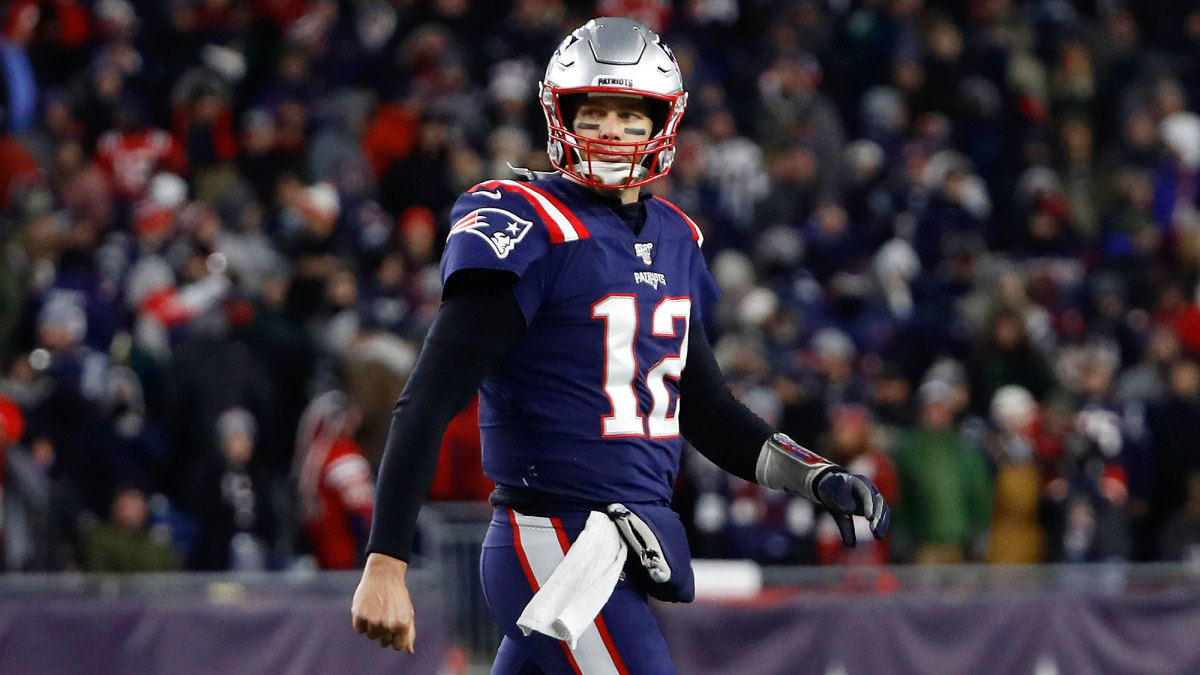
(382, 608)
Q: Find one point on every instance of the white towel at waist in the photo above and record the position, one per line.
(580, 585)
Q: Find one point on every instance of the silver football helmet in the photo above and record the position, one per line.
(612, 55)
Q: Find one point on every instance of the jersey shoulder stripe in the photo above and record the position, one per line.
(562, 224)
(697, 235)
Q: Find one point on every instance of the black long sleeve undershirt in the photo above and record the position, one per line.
(711, 418)
(478, 322)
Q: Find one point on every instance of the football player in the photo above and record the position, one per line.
(573, 304)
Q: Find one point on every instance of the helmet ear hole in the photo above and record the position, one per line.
(659, 110)
(568, 105)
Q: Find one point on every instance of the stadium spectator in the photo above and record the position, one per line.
(425, 177)
(70, 375)
(335, 490)
(458, 477)
(792, 110)
(945, 492)
(132, 151)
(1181, 536)
(893, 401)
(734, 164)
(260, 161)
(377, 363)
(1173, 424)
(1016, 534)
(851, 442)
(80, 185)
(233, 499)
(42, 514)
(1006, 356)
(18, 170)
(12, 427)
(126, 543)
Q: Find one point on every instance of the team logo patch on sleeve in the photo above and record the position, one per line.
(501, 229)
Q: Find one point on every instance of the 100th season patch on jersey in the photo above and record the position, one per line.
(501, 229)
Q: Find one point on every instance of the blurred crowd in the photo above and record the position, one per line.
(958, 243)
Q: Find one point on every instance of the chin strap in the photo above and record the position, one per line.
(530, 174)
(783, 464)
(614, 174)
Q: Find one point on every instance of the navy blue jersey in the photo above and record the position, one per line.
(585, 406)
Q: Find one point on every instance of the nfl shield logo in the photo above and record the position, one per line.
(642, 250)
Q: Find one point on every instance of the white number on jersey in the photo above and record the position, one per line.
(620, 365)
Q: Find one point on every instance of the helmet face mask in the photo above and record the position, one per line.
(615, 57)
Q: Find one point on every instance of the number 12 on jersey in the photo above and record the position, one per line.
(620, 316)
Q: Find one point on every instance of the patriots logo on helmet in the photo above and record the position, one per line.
(501, 229)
